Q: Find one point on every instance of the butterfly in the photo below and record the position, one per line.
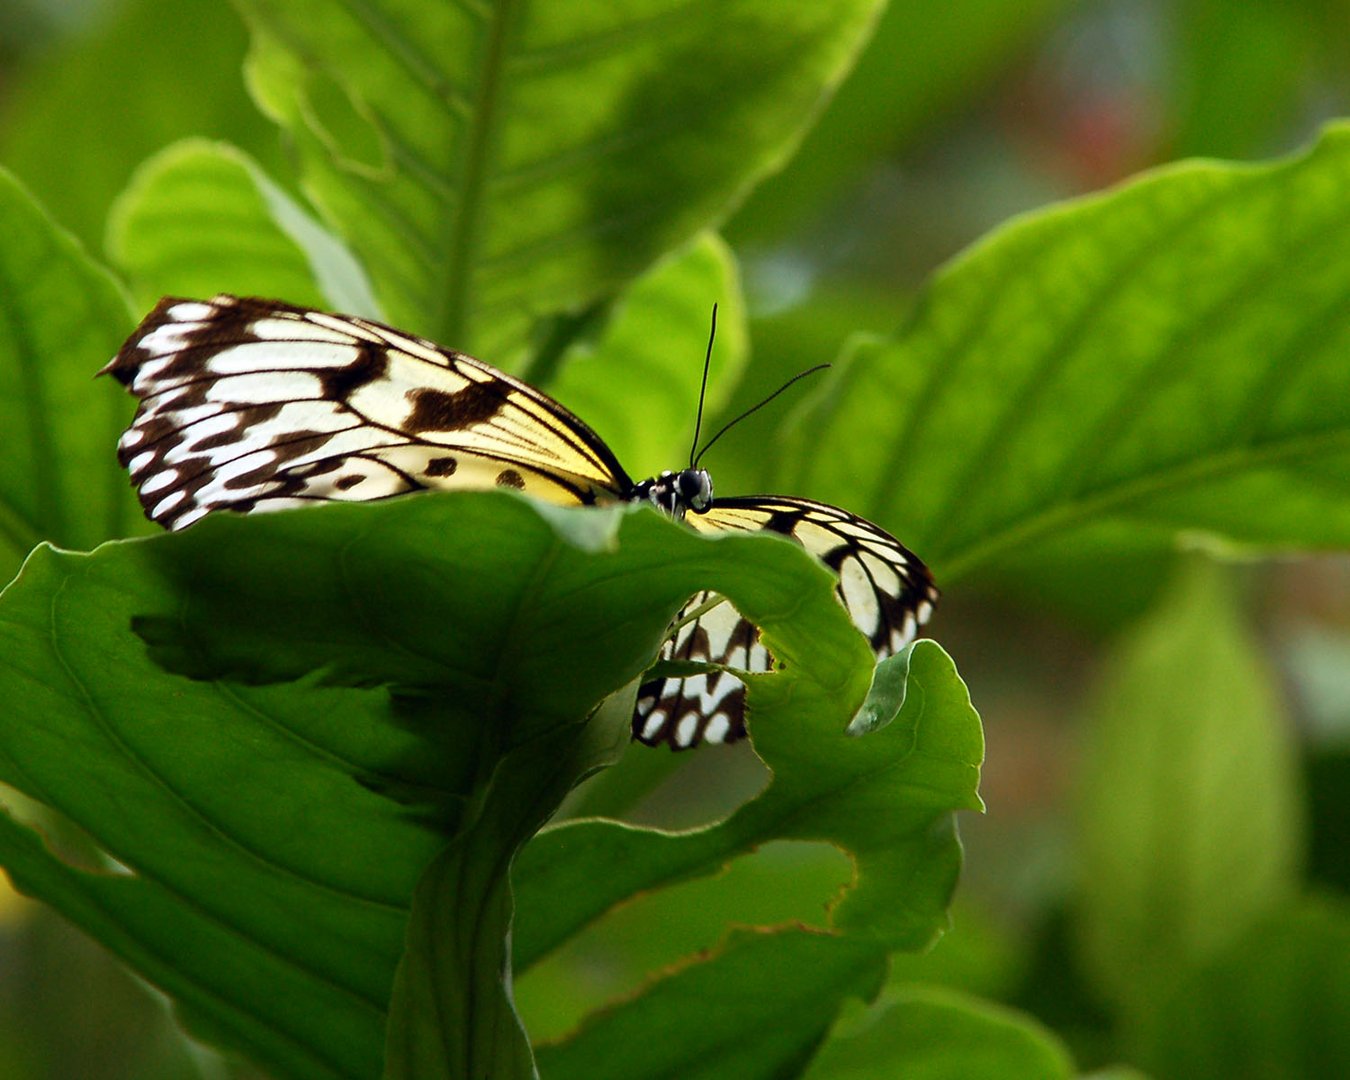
(252, 405)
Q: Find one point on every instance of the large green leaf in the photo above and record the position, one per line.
(498, 162)
(1188, 816)
(61, 319)
(372, 683)
(201, 218)
(783, 883)
(1170, 354)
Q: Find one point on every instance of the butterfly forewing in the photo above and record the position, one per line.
(252, 405)
(886, 589)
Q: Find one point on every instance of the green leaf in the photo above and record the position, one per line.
(924, 61)
(1170, 354)
(452, 1013)
(1272, 1005)
(755, 1010)
(498, 162)
(1117, 1072)
(61, 319)
(201, 218)
(885, 699)
(887, 798)
(1102, 576)
(1189, 817)
(782, 883)
(638, 383)
(1236, 92)
(81, 118)
(759, 1004)
(980, 955)
(923, 1033)
(374, 682)
(787, 341)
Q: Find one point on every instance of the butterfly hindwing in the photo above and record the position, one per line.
(683, 711)
(886, 590)
(253, 405)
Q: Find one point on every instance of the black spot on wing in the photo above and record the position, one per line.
(300, 444)
(370, 365)
(442, 466)
(264, 472)
(437, 410)
(311, 469)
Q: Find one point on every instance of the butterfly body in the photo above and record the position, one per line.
(676, 493)
(252, 405)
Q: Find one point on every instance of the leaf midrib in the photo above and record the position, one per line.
(450, 321)
(1098, 505)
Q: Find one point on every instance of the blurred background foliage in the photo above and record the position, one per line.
(1161, 876)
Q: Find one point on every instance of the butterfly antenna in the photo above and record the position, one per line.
(707, 360)
(754, 409)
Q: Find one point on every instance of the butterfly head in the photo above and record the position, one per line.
(676, 493)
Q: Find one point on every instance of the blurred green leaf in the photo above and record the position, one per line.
(924, 61)
(371, 682)
(980, 955)
(1188, 815)
(1116, 1072)
(75, 1002)
(1273, 1005)
(1328, 780)
(493, 164)
(1169, 354)
(1241, 74)
(638, 381)
(924, 1033)
(80, 118)
(61, 319)
(1101, 576)
(201, 218)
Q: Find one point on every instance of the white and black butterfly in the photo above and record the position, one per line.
(251, 405)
